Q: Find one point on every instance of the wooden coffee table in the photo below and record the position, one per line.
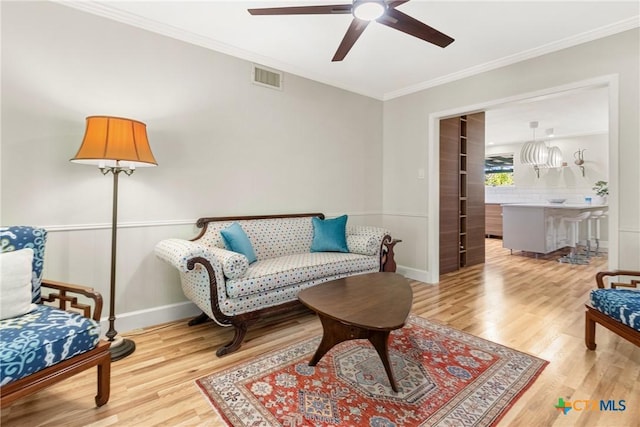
(365, 306)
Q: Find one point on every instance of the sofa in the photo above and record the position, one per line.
(235, 289)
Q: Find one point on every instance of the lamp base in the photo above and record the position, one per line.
(121, 348)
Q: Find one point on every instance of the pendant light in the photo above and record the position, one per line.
(555, 155)
(534, 153)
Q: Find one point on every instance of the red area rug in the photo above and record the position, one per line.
(445, 377)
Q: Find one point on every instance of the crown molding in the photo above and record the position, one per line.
(106, 11)
(598, 33)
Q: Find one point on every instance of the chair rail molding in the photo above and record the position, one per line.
(131, 224)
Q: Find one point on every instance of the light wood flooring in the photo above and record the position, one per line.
(533, 305)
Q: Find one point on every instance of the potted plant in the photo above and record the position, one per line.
(602, 190)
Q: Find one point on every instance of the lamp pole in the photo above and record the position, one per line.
(120, 347)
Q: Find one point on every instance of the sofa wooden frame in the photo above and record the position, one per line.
(65, 297)
(241, 322)
(593, 316)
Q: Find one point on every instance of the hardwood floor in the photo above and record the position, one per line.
(533, 305)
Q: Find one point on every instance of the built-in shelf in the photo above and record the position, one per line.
(462, 191)
(461, 185)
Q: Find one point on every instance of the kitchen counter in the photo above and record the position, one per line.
(558, 205)
(539, 227)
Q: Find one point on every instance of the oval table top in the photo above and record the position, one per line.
(374, 301)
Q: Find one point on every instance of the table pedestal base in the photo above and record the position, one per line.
(335, 332)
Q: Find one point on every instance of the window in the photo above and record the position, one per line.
(498, 170)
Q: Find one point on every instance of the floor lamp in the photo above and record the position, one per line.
(115, 145)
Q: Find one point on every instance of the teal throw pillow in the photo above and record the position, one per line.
(236, 240)
(329, 235)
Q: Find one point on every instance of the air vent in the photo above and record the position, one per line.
(263, 76)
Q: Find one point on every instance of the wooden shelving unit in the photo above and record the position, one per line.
(461, 192)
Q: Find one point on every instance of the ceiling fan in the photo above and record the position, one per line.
(365, 11)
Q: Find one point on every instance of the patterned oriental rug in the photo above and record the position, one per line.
(445, 377)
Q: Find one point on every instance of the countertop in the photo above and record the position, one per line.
(556, 205)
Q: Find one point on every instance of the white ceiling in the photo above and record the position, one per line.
(572, 114)
(385, 63)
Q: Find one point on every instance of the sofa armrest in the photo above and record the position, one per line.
(178, 252)
(365, 240)
(201, 274)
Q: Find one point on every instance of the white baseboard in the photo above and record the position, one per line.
(132, 321)
(136, 320)
(413, 273)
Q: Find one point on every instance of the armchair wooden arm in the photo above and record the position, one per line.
(67, 302)
(602, 274)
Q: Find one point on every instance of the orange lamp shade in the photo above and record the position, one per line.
(115, 142)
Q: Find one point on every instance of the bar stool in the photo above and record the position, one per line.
(593, 220)
(574, 236)
(602, 215)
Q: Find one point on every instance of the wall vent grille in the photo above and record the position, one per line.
(263, 76)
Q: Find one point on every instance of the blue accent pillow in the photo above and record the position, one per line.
(236, 240)
(329, 235)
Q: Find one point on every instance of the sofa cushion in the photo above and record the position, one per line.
(329, 235)
(236, 240)
(620, 304)
(42, 338)
(276, 273)
(15, 283)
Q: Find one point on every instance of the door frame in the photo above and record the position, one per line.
(433, 151)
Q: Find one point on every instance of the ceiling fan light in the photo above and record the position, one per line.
(369, 10)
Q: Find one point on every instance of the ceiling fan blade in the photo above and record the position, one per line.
(351, 36)
(303, 10)
(402, 22)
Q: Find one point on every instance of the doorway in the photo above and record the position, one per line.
(608, 82)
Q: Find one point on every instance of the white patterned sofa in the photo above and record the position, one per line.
(235, 293)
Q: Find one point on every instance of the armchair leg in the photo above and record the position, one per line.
(104, 380)
(589, 331)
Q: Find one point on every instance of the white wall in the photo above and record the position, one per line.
(224, 146)
(408, 139)
(565, 182)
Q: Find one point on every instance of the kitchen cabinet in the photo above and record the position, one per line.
(493, 220)
(539, 227)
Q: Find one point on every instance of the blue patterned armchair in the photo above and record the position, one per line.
(616, 307)
(46, 334)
